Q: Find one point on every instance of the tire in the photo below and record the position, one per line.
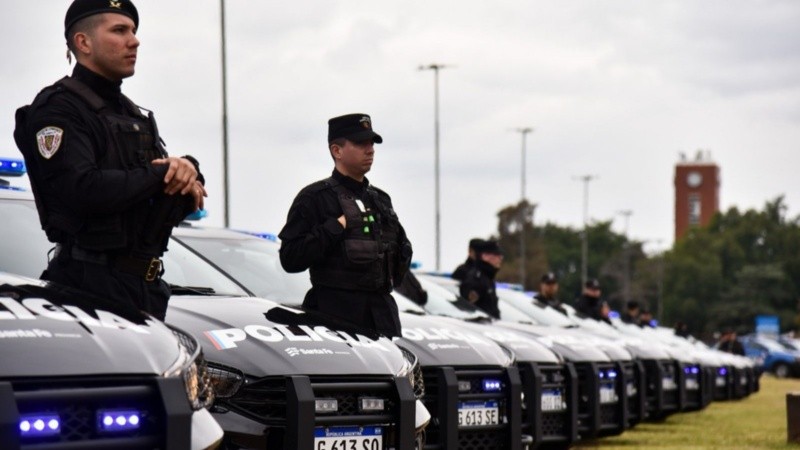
(781, 370)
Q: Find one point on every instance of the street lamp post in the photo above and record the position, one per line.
(225, 184)
(522, 251)
(626, 292)
(585, 241)
(435, 68)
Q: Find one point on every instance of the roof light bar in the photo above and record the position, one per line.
(12, 167)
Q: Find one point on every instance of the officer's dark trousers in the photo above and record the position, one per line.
(111, 284)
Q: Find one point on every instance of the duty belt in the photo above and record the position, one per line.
(147, 268)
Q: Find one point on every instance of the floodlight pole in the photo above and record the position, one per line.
(585, 241)
(436, 68)
(225, 183)
(626, 292)
(522, 251)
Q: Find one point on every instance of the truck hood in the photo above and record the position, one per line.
(439, 342)
(50, 330)
(262, 338)
(559, 340)
(525, 347)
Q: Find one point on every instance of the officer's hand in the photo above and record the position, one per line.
(198, 193)
(342, 221)
(181, 175)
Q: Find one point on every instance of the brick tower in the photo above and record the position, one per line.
(696, 192)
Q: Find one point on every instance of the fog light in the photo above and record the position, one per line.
(326, 405)
(464, 386)
(371, 404)
(113, 421)
(39, 425)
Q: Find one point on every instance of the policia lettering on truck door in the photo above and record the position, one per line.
(346, 232)
(107, 193)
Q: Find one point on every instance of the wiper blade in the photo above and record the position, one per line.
(190, 290)
(414, 312)
(479, 319)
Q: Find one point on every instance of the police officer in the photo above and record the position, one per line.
(631, 314)
(548, 292)
(106, 190)
(589, 303)
(462, 269)
(346, 232)
(478, 285)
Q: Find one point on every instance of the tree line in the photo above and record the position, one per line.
(743, 264)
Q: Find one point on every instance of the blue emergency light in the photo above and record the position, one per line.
(39, 425)
(197, 215)
(492, 385)
(12, 167)
(114, 421)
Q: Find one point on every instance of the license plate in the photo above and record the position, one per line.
(608, 394)
(721, 382)
(478, 414)
(552, 400)
(692, 384)
(348, 438)
(668, 384)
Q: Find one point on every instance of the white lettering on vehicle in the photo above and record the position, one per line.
(230, 337)
(443, 334)
(33, 308)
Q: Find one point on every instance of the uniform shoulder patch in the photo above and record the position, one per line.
(48, 139)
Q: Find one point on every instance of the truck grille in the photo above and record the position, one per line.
(442, 396)
(78, 403)
(596, 417)
(555, 425)
(269, 401)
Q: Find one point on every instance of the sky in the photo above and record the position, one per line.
(614, 89)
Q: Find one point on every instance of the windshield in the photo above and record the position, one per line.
(253, 262)
(184, 268)
(442, 302)
(535, 310)
(23, 245)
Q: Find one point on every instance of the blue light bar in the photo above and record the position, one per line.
(612, 374)
(12, 167)
(613, 314)
(492, 385)
(114, 421)
(267, 236)
(722, 371)
(695, 370)
(39, 425)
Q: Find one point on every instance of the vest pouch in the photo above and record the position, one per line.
(361, 251)
(135, 141)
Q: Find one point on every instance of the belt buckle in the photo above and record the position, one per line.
(153, 269)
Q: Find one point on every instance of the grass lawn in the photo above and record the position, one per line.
(756, 422)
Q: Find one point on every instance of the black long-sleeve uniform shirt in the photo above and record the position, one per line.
(312, 232)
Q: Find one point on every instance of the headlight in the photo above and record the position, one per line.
(413, 372)
(191, 365)
(225, 380)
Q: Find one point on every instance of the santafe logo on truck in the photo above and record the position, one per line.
(228, 338)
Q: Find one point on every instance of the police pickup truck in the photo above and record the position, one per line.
(472, 388)
(284, 380)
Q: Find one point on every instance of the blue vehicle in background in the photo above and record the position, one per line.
(772, 356)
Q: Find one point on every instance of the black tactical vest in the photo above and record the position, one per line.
(132, 141)
(368, 254)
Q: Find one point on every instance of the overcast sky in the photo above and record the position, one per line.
(615, 89)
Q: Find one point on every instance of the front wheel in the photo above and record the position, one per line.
(781, 370)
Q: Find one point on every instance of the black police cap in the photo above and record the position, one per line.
(592, 284)
(353, 127)
(81, 9)
(489, 247)
(475, 243)
(549, 278)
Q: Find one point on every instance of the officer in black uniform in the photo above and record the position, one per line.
(346, 232)
(589, 303)
(478, 285)
(548, 292)
(107, 192)
(461, 270)
(631, 314)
